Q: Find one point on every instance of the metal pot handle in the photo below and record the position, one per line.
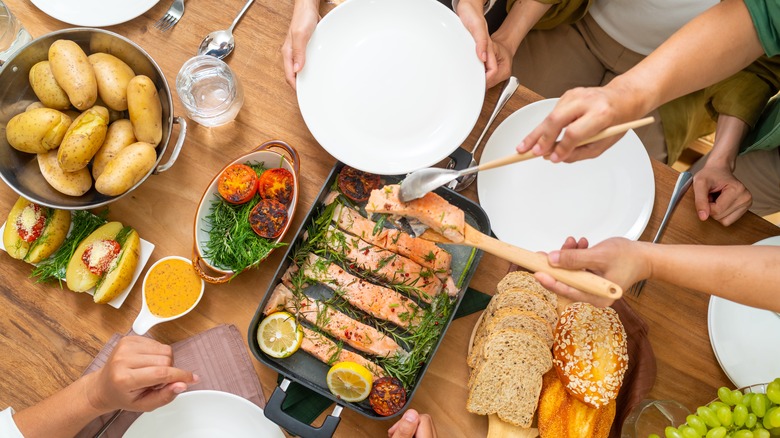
(196, 263)
(176, 147)
(273, 411)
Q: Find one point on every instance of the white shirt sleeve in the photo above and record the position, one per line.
(8, 428)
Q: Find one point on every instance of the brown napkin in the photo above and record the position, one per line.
(218, 356)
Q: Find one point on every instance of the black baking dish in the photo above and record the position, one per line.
(310, 372)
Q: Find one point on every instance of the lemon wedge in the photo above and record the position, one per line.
(350, 381)
(279, 335)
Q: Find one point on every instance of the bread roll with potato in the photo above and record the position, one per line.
(33, 232)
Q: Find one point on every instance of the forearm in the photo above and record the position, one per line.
(308, 4)
(728, 137)
(62, 415)
(744, 274)
(522, 17)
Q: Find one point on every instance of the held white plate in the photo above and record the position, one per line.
(744, 338)
(205, 414)
(391, 86)
(94, 13)
(536, 204)
(146, 252)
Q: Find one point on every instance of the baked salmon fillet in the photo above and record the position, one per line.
(326, 351)
(386, 265)
(421, 251)
(357, 335)
(378, 301)
(432, 210)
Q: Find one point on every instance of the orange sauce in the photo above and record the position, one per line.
(171, 288)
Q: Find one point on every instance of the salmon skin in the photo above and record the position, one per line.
(432, 210)
(378, 301)
(421, 251)
(386, 265)
(328, 352)
(357, 335)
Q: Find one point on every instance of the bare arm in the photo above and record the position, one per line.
(306, 15)
(522, 17)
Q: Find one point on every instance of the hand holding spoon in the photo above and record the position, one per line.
(221, 43)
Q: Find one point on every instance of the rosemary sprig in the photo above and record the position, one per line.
(53, 268)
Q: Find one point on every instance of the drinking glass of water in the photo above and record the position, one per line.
(12, 34)
(209, 90)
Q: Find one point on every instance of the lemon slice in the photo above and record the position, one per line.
(350, 381)
(279, 335)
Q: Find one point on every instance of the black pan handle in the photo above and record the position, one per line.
(462, 158)
(273, 411)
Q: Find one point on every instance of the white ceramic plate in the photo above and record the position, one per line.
(94, 13)
(536, 204)
(205, 414)
(744, 338)
(146, 252)
(391, 86)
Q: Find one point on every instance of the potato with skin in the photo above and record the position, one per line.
(112, 76)
(119, 135)
(74, 73)
(78, 277)
(143, 104)
(121, 275)
(83, 139)
(46, 87)
(69, 183)
(51, 237)
(37, 130)
(35, 105)
(128, 167)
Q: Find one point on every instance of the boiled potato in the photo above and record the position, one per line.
(37, 130)
(70, 183)
(77, 275)
(143, 104)
(128, 167)
(73, 73)
(21, 221)
(121, 275)
(112, 75)
(119, 135)
(83, 139)
(35, 105)
(46, 87)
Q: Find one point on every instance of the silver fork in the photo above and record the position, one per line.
(684, 182)
(171, 17)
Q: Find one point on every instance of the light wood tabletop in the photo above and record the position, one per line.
(48, 335)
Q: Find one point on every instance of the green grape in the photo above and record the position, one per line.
(696, 423)
(672, 432)
(751, 420)
(761, 433)
(773, 391)
(740, 415)
(774, 417)
(724, 416)
(716, 405)
(653, 435)
(766, 422)
(736, 395)
(724, 394)
(743, 434)
(747, 398)
(708, 416)
(758, 404)
(718, 432)
(688, 432)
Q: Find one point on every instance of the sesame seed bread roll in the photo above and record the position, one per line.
(590, 353)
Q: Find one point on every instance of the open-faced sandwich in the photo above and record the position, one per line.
(33, 232)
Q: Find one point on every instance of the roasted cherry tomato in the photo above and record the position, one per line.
(356, 184)
(237, 184)
(29, 224)
(268, 218)
(99, 256)
(277, 184)
(388, 396)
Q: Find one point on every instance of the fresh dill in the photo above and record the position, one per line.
(83, 224)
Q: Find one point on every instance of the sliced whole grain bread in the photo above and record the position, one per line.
(525, 300)
(508, 377)
(526, 280)
(509, 317)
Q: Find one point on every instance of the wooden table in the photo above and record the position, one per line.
(48, 336)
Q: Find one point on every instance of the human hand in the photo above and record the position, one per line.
(304, 20)
(138, 377)
(720, 195)
(616, 259)
(472, 16)
(504, 59)
(414, 425)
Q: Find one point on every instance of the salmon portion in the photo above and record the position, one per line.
(378, 301)
(421, 251)
(326, 351)
(432, 210)
(386, 265)
(357, 335)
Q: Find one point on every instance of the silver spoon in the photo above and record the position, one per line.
(420, 182)
(509, 89)
(220, 43)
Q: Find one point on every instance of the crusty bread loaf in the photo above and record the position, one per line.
(590, 353)
(525, 300)
(508, 377)
(560, 415)
(509, 317)
(525, 280)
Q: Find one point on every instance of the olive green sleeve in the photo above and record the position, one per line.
(561, 12)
